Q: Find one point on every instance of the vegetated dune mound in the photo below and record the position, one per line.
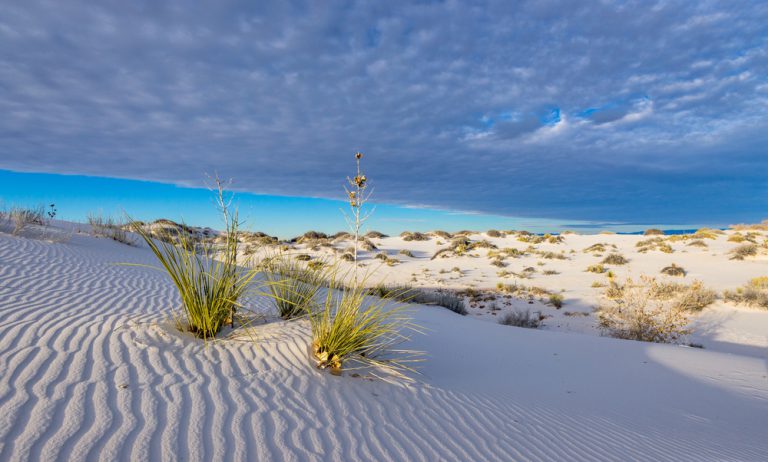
(92, 368)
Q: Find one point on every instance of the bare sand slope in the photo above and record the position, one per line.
(91, 370)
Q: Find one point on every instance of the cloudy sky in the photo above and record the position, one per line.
(605, 110)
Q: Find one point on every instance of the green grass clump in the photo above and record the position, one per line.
(293, 285)
(351, 325)
(208, 279)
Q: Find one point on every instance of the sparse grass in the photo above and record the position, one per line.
(615, 259)
(407, 253)
(375, 235)
(21, 217)
(494, 233)
(293, 285)
(109, 228)
(353, 326)
(408, 294)
(655, 243)
(522, 319)
(697, 243)
(595, 248)
(303, 257)
(550, 272)
(673, 270)
(743, 251)
(653, 232)
(556, 300)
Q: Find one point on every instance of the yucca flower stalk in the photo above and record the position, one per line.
(358, 196)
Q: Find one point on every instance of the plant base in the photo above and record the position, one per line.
(321, 363)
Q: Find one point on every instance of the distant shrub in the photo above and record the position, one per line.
(375, 235)
(407, 253)
(443, 234)
(381, 256)
(494, 233)
(556, 300)
(755, 293)
(743, 251)
(550, 272)
(655, 243)
(414, 236)
(596, 248)
(303, 257)
(653, 232)
(615, 259)
(522, 319)
(673, 270)
(348, 257)
(599, 269)
(707, 233)
(697, 243)
(498, 263)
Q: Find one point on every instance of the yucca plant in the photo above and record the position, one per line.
(351, 325)
(293, 285)
(206, 276)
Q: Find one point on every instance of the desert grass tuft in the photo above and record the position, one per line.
(353, 326)
(293, 285)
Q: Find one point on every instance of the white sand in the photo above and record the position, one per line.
(91, 370)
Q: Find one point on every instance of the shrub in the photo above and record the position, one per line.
(498, 263)
(556, 300)
(494, 233)
(293, 285)
(414, 236)
(381, 256)
(615, 259)
(407, 253)
(375, 235)
(653, 232)
(755, 293)
(595, 248)
(550, 272)
(210, 288)
(697, 243)
(695, 297)
(635, 315)
(743, 251)
(303, 257)
(348, 257)
(673, 270)
(350, 325)
(522, 319)
(599, 269)
(443, 234)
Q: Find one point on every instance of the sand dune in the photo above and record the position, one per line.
(91, 368)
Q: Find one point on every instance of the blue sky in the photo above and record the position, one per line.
(636, 112)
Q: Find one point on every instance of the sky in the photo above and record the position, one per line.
(617, 112)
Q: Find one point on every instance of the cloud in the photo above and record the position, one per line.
(661, 106)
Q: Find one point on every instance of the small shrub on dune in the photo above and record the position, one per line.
(755, 293)
(522, 319)
(707, 233)
(293, 285)
(635, 315)
(697, 243)
(494, 233)
(348, 257)
(598, 269)
(414, 236)
(556, 300)
(595, 248)
(743, 251)
(695, 297)
(406, 253)
(443, 234)
(381, 256)
(375, 235)
(673, 270)
(303, 257)
(615, 259)
(653, 232)
(352, 326)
